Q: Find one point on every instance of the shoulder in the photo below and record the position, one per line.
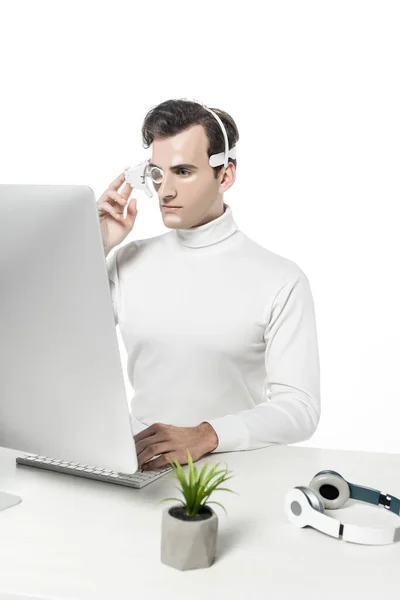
(131, 251)
(273, 265)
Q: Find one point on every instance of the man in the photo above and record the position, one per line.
(220, 332)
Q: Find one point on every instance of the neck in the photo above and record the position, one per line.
(207, 234)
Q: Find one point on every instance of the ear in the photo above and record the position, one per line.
(227, 177)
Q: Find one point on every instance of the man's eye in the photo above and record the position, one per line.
(187, 171)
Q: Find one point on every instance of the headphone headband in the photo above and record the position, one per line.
(221, 158)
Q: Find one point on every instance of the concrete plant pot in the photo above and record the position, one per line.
(188, 542)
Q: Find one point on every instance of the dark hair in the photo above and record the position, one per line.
(173, 116)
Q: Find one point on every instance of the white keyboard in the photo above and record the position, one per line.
(137, 480)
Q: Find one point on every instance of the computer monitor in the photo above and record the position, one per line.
(62, 391)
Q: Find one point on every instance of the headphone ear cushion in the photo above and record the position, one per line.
(334, 489)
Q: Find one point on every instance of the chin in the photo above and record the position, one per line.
(172, 223)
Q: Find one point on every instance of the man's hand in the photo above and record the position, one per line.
(173, 443)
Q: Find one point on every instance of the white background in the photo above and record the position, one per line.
(314, 90)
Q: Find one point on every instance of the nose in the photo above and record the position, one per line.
(166, 189)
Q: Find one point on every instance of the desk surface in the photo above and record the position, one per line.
(79, 539)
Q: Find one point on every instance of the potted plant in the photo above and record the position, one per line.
(189, 532)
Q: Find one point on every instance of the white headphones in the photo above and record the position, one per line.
(328, 489)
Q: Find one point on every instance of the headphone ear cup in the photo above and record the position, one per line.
(332, 487)
(314, 498)
(329, 471)
(299, 502)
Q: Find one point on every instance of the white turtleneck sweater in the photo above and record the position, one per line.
(219, 329)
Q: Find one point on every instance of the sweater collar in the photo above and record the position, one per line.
(210, 233)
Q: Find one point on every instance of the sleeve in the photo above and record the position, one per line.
(292, 411)
(111, 262)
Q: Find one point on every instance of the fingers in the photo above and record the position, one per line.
(112, 196)
(116, 184)
(153, 451)
(105, 207)
(150, 430)
(163, 461)
(117, 197)
(126, 191)
(144, 443)
(157, 463)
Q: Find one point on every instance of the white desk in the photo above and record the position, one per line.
(79, 539)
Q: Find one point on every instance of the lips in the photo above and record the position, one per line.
(168, 206)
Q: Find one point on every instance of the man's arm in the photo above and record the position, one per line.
(292, 378)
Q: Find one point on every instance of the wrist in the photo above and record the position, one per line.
(107, 250)
(211, 440)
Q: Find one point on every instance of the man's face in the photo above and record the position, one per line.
(193, 188)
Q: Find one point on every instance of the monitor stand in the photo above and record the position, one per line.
(8, 500)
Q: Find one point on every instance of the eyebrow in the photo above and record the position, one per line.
(182, 166)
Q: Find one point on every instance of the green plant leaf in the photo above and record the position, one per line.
(212, 474)
(197, 488)
(207, 480)
(199, 485)
(196, 484)
(191, 481)
(193, 484)
(202, 473)
(221, 478)
(180, 474)
(213, 485)
(214, 502)
(191, 469)
(165, 499)
(226, 490)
